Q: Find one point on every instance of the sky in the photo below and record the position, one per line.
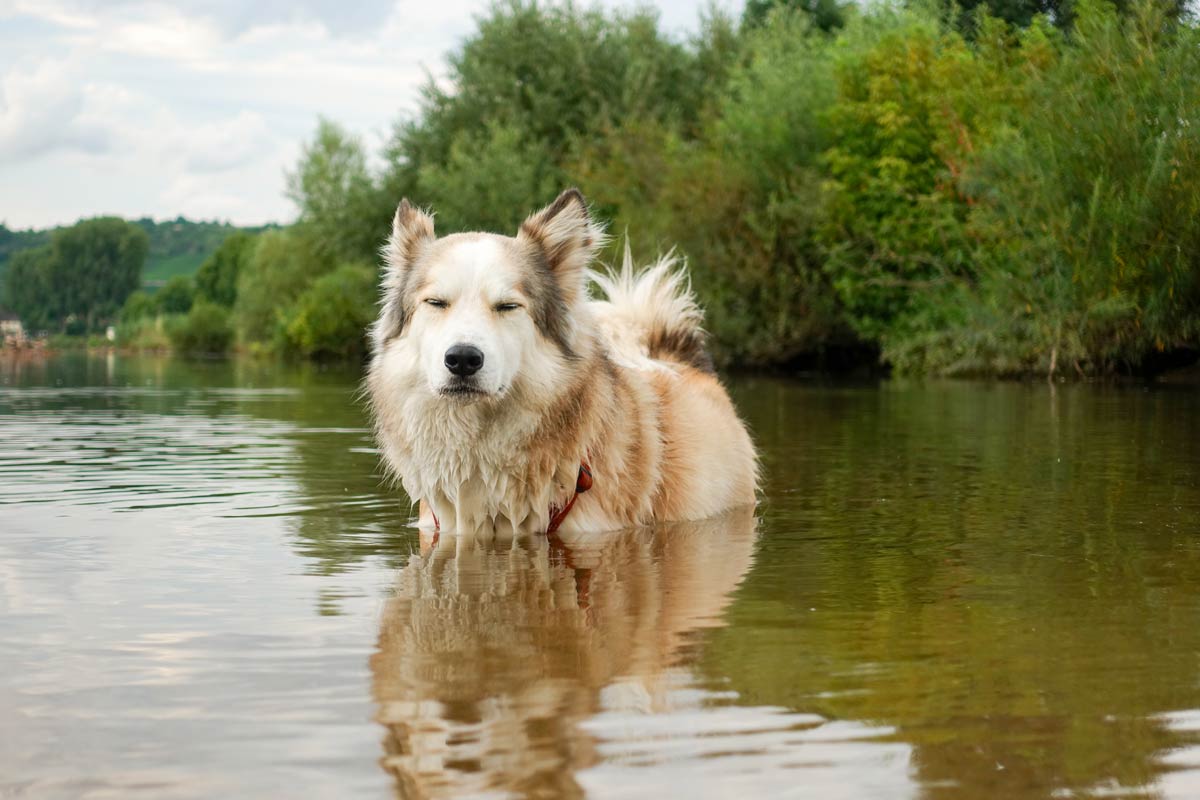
(197, 107)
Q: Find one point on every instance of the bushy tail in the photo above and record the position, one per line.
(656, 304)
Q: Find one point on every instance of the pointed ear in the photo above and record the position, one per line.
(568, 239)
(411, 228)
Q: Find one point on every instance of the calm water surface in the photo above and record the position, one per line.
(950, 590)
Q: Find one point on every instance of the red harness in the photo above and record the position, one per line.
(583, 482)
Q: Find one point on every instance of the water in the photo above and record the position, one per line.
(950, 590)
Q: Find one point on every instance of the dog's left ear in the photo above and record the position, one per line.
(568, 238)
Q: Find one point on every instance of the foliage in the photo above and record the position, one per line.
(180, 246)
(176, 296)
(205, 330)
(14, 241)
(139, 305)
(956, 193)
(491, 179)
(532, 86)
(1087, 208)
(737, 199)
(80, 279)
(177, 247)
(282, 266)
(337, 196)
(331, 318)
(217, 278)
(824, 14)
(1007, 190)
(143, 333)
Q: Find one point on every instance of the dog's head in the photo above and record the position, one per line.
(467, 317)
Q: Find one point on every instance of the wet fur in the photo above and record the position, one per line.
(625, 383)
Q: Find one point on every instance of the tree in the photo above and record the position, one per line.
(176, 296)
(96, 264)
(534, 85)
(85, 274)
(283, 265)
(139, 305)
(332, 317)
(217, 278)
(825, 14)
(27, 288)
(337, 196)
(204, 330)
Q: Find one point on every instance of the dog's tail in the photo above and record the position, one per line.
(657, 305)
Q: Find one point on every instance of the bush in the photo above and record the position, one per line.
(176, 296)
(143, 333)
(330, 319)
(217, 278)
(205, 330)
(1086, 207)
(283, 265)
(139, 305)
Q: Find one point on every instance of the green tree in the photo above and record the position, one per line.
(217, 278)
(28, 290)
(742, 200)
(491, 180)
(338, 198)
(330, 319)
(1089, 203)
(84, 274)
(176, 296)
(825, 14)
(96, 264)
(204, 330)
(139, 305)
(283, 265)
(534, 84)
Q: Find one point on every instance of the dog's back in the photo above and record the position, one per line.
(654, 327)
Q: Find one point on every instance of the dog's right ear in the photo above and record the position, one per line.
(412, 229)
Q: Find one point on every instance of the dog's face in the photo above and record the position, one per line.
(468, 317)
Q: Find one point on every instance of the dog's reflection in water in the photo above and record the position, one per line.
(491, 655)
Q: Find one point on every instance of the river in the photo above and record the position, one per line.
(948, 590)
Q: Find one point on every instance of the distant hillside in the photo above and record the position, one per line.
(177, 247)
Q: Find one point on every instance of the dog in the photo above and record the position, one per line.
(504, 397)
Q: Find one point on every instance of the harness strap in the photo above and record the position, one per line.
(583, 482)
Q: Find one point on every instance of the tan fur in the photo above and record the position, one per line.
(623, 384)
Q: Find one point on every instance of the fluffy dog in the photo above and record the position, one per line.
(504, 397)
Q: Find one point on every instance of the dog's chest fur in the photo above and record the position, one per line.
(473, 465)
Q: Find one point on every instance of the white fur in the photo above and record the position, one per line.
(638, 302)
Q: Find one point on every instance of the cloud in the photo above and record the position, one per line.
(149, 107)
(229, 17)
(43, 109)
(225, 144)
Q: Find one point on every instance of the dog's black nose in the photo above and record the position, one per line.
(464, 360)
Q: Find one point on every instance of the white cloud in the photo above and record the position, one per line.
(43, 109)
(196, 107)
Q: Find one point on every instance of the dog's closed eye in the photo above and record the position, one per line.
(506, 307)
(436, 302)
